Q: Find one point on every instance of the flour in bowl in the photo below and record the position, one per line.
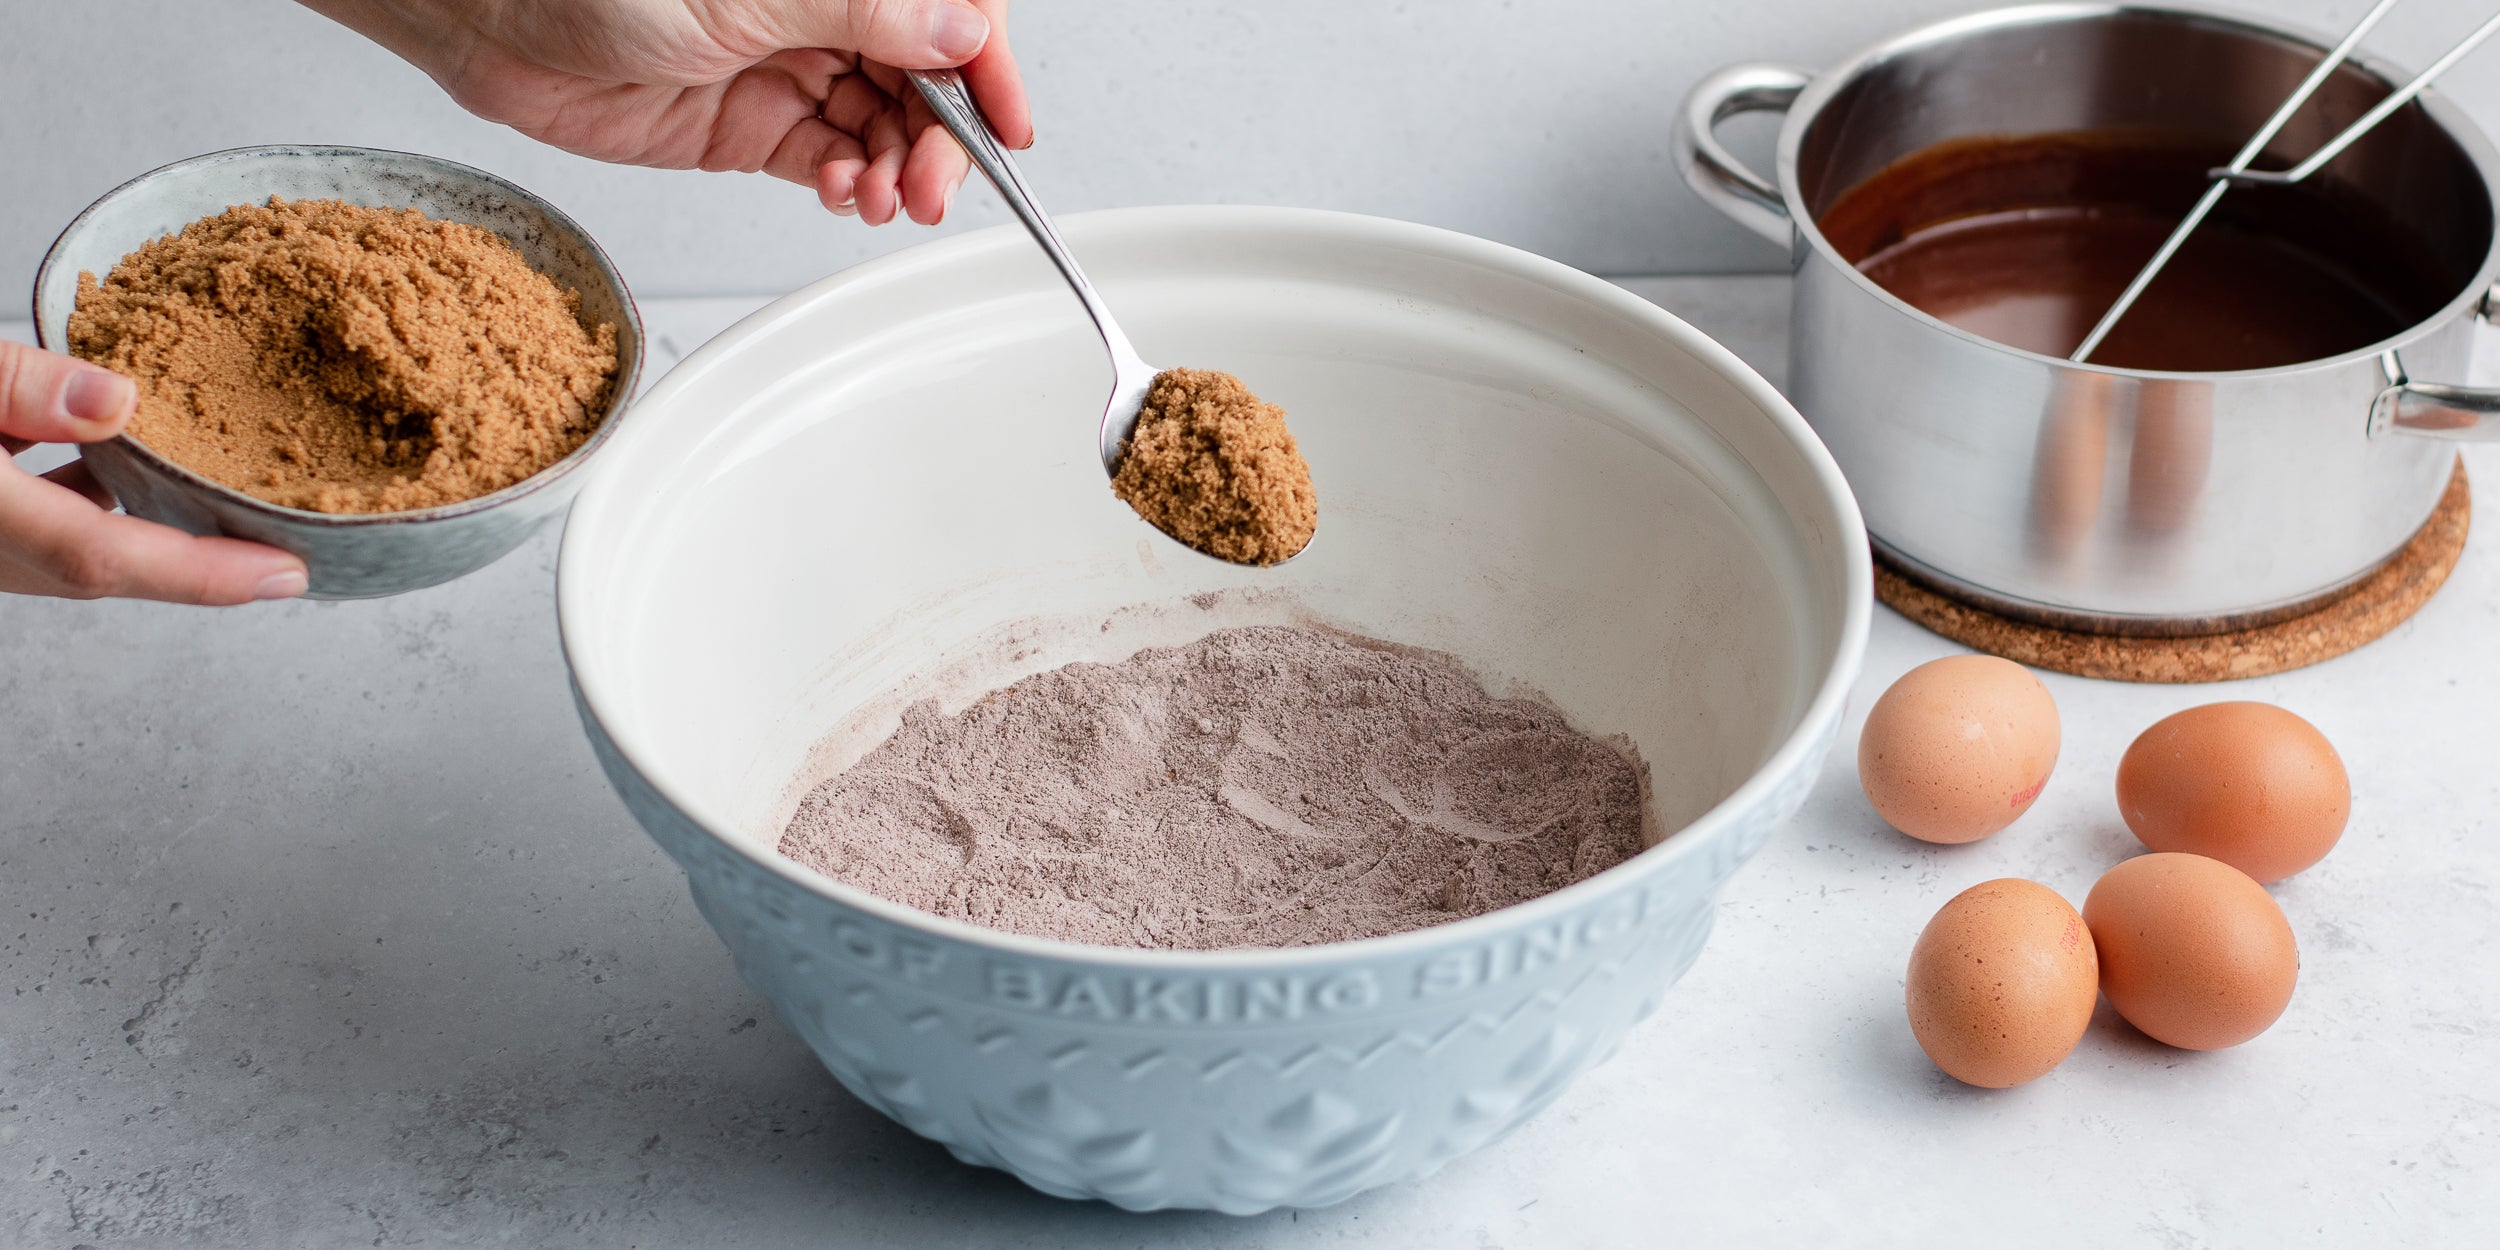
(1260, 787)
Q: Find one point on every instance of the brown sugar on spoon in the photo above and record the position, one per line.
(340, 358)
(1213, 466)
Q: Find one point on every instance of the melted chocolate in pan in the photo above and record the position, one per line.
(2028, 240)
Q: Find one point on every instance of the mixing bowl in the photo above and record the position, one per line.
(346, 555)
(884, 488)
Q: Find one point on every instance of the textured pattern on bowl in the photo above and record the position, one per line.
(358, 556)
(1240, 1090)
(885, 481)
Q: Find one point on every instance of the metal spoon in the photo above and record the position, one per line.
(1130, 374)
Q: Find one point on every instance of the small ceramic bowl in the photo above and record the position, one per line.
(347, 556)
(885, 487)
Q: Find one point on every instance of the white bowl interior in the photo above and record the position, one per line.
(883, 488)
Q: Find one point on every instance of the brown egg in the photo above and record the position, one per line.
(2245, 783)
(1958, 748)
(2002, 983)
(2192, 951)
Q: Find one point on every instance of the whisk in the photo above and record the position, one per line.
(2237, 173)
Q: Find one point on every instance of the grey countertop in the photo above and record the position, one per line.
(319, 927)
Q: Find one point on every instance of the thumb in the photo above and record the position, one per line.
(50, 398)
(906, 34)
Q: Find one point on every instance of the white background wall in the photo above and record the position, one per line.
(1540, 123)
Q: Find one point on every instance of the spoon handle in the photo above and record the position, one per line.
(944, 90)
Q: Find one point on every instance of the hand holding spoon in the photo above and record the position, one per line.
(1132, 378)
(1130, 374)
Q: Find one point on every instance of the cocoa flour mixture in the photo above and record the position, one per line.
(1271, 786)
(339, 358)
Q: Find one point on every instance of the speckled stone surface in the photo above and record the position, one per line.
(319, 927)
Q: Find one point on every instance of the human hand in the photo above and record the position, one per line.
(56, 537)
(811, 91)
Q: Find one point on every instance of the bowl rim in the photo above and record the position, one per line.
(621, 391)
(1820, 717)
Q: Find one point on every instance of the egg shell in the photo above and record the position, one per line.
(2002, 983)
(2249, 784)
(2192, 951)
(1958, 748)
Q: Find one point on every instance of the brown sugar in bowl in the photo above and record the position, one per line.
(348, 555)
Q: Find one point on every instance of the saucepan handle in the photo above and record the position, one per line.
(2463, 414)
(1713, 172)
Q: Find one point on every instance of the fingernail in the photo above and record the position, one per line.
(285, 585)
(959, 31)
(949, 205)
(99, 395)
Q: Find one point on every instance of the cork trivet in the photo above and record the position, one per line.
(2377, 605)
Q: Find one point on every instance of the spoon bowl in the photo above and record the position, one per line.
(1131, 378)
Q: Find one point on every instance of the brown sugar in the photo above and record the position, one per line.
(1214, 466)
(340, 358)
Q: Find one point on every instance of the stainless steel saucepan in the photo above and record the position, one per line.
(2118, 500)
